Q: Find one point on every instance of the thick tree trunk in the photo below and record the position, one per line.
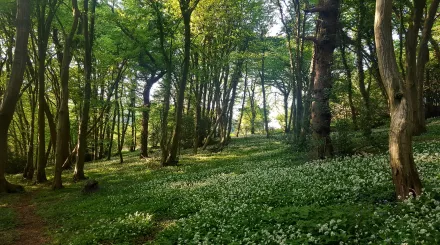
(405, 176)
(7, 106)
(325, 44)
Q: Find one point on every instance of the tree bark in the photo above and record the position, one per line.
(82, 133)
(422, 60)
(325, 45)
(405, 176)
(263, 88)
(13, 87)
(186, 10)
(411, 60)
(366, 123)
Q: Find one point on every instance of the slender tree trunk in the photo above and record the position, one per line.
(197, 105)
(145, 121)
(422, 60)
(112, 130)
(405, 176)
(305, 130)
(41, 164)
(411, 59)
(119, 109)
(366, 124)
(252, 104)
(349, 83)
(29, 170)
(234, 83)
(243, 103)
(11, 96)
(263, 88)
(186, 10)
(133, 116)
(299, 78)
(82, 134)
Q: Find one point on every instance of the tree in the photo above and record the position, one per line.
(186, 8)
(82, 134)
(405, 176)
(63, 127)
(12, 92)
(325, 43)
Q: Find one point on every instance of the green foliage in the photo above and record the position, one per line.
(8, 218)
(342, 139)
(16, 163)
(256, 191)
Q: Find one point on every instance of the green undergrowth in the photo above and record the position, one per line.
(256, 191)
(8, 219)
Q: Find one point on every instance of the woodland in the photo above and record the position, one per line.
(219, 122)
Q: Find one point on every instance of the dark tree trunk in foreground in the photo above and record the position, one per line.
(13, 87)
(405, 176)
(325, 44)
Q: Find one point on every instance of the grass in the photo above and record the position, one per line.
(257, 191)
(8, 220)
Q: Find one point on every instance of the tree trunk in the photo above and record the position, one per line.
(186, 10)
(349, 83)
(112, 129)
(411, 60)
(13, 87)
(366, 123)
(82, 133)
(325, 44)
(253, 109)
(29, 169)
(299, 79)
(145, 121)
(243, 103)
(422, 60)
(405, 176)
(263, 88)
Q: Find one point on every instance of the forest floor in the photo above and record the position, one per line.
(256, 191)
